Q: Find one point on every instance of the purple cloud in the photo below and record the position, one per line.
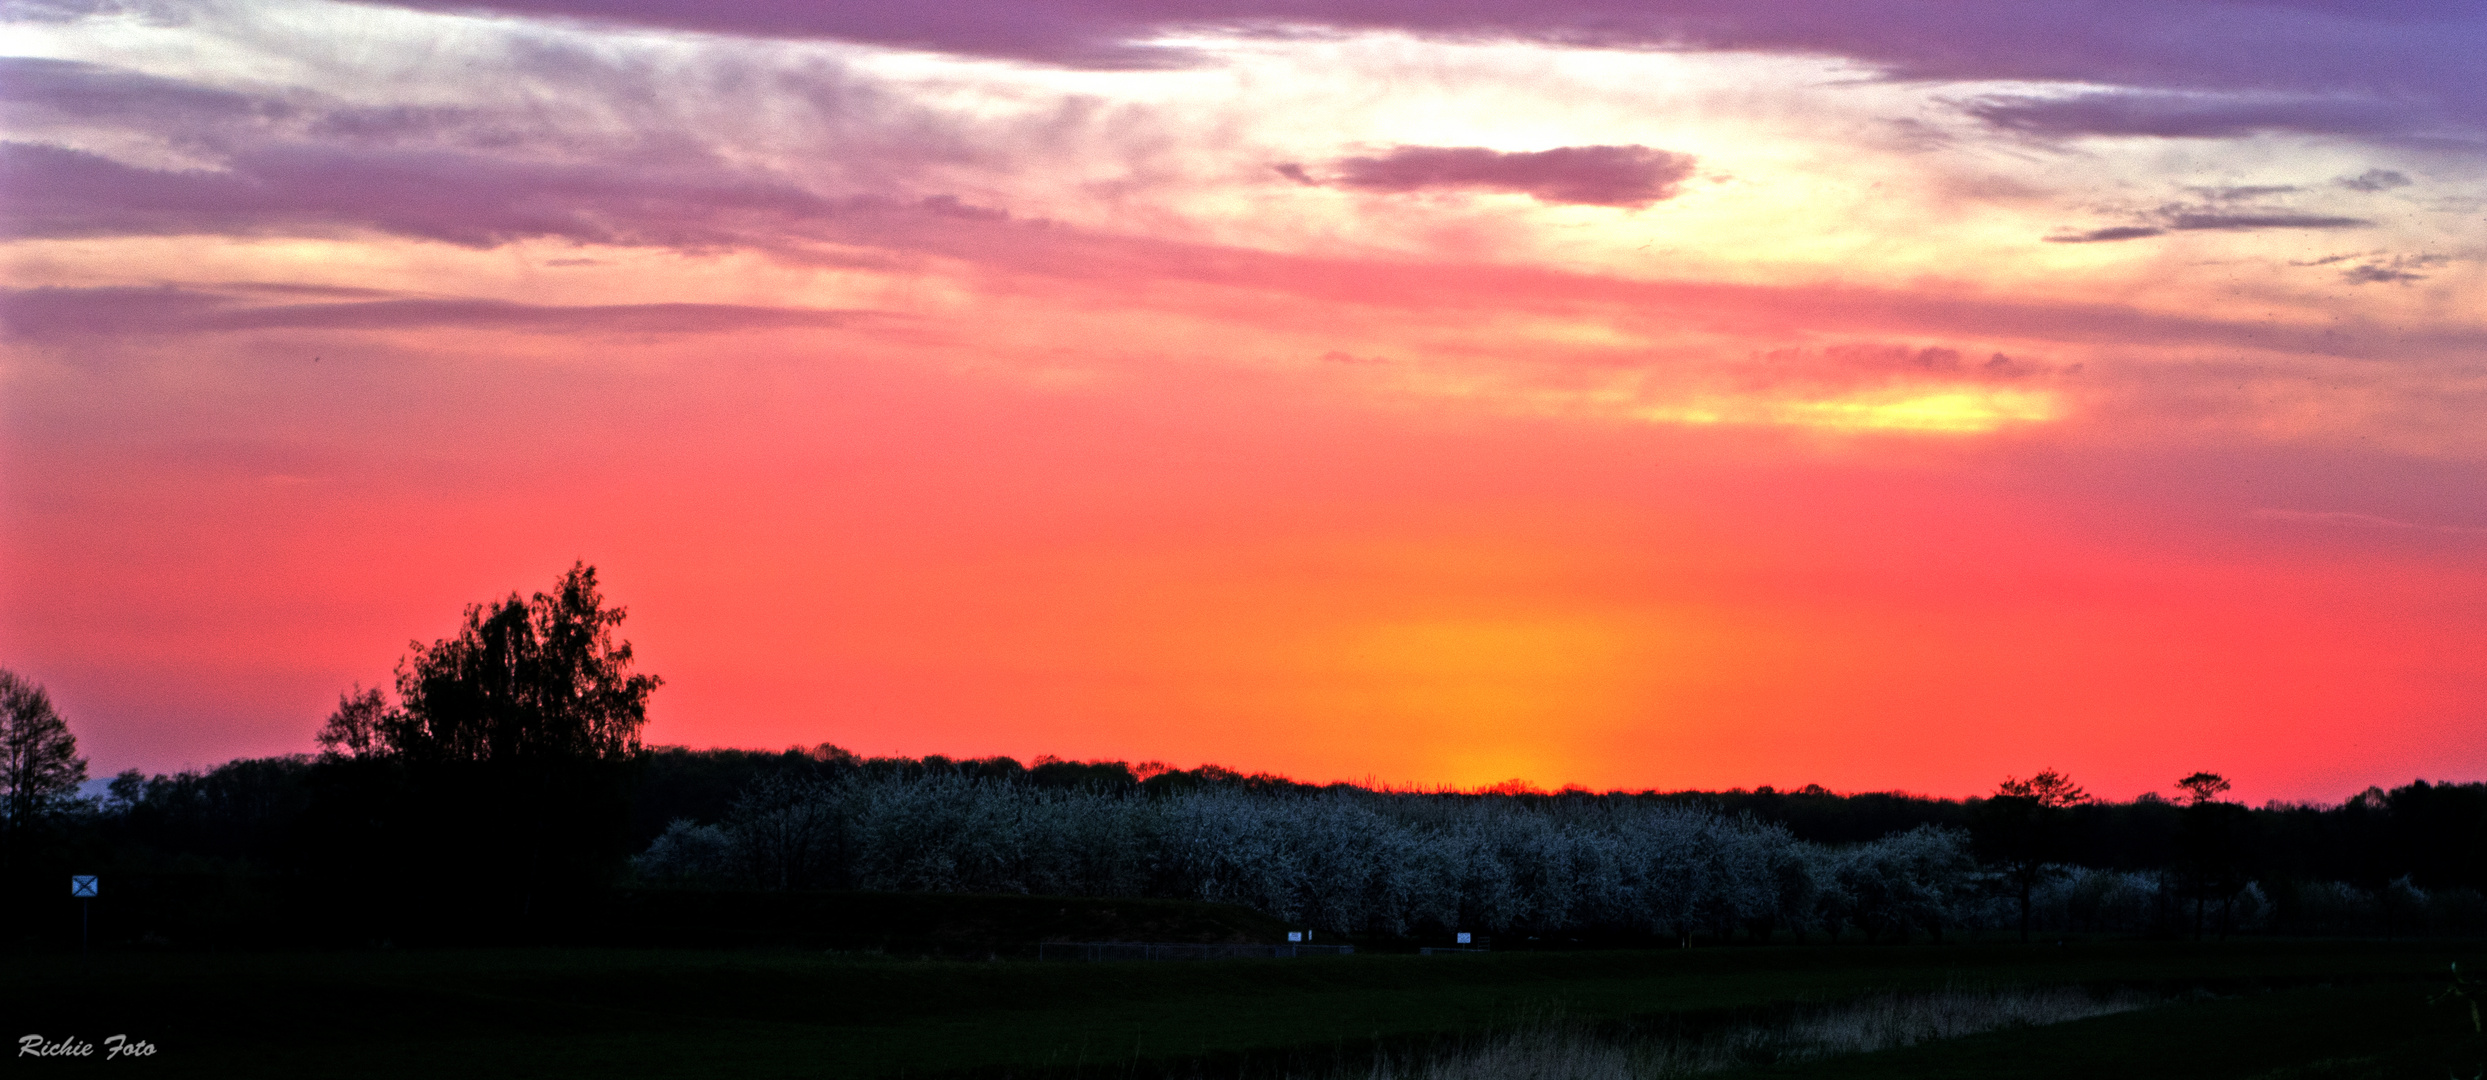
(2420, 55)
(1629, 176)
(302, 163)
(2115, 232)
(2187, 116)
(2253, 222)
(70, 89)
(2374, 180)
(2398, 269)
(2378, 275)
(57, 313)
(2170, 219)
(2241, 192)
(454, 197)
(1857, 364)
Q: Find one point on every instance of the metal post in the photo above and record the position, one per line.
(82, 886)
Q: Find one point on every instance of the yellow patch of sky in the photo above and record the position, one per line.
(1961, 411)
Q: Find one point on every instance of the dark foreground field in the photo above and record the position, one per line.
(2273, 1009)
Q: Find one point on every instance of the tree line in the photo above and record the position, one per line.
(506, 786)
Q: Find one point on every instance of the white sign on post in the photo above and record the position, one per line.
(81, 884)
(1463, 937)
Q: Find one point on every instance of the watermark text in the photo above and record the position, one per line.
(115, 1046)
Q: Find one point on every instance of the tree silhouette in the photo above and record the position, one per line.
(2202, 787)
(526, 679)
(39, 762)
(2212, 841)
(501, 772)
(360, 727)
(2022, 826)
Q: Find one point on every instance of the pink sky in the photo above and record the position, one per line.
(1673, 395)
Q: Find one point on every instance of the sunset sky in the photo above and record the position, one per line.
(1891, 394)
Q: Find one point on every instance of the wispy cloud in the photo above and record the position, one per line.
(63, 313)
(2375, 180)
(1621, 176)
(2240, 192)
(2378, 275)
(2218, 217)
(2354, 520)
(2151, 114)
(2398, 269)
(2210, 223)
(2415, 52)
(2110, 233)
(2227, 222)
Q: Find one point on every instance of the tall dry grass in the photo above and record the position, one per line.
(1554, 1048)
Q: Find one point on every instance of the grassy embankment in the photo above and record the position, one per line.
(2274, 1005)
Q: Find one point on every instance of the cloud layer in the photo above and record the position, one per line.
(2194, 116)
(55, 314)
(2413, 45)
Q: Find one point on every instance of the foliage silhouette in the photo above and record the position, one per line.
(2023, 828)
(539, 678)
(40, 769)
(2213, 839)
(2203, 787)
(495, 796)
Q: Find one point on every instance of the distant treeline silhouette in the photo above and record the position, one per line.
(1571, 863)
(505, 793)
(378, 841)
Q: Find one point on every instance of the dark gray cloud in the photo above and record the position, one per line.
(60, 313)
(2113, 232)
(2243, 192)
(2374, 180)
(2377, 275)
(1628, 176)
(2180, 218)
(2220, 222)
(2381, 270)
(2191, 116)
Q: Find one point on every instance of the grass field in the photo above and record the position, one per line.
(2316, 1010)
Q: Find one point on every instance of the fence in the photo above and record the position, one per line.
(1146, 950)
